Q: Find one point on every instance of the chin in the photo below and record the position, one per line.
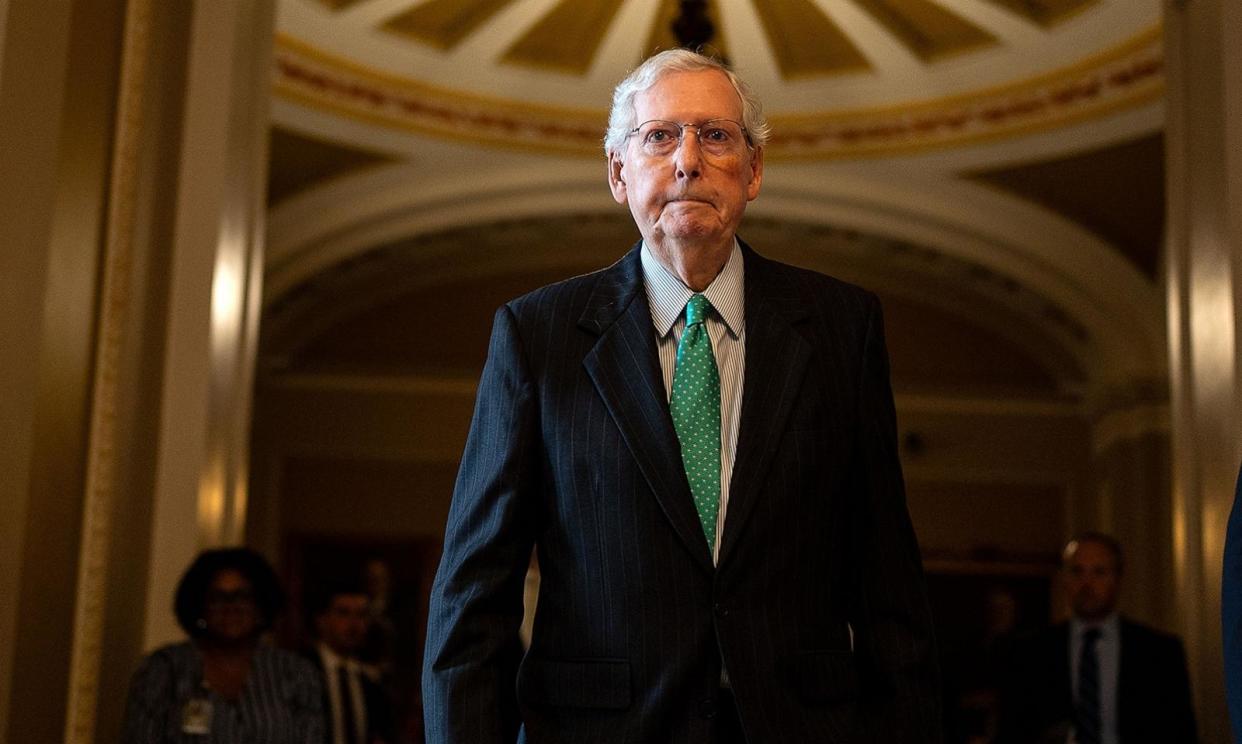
(693, 230)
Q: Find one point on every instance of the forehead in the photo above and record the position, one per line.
(689, 97)
(348, 602)
(1091, 553)
(228, 578)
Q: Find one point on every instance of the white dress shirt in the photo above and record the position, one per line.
(726, 327)
(1108, 652)
(331, 662)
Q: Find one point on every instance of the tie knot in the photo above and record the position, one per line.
(697, 309)
(1090, 636)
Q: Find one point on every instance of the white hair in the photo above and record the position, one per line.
(621, 117)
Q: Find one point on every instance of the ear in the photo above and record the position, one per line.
(756, 174)
(616, 178)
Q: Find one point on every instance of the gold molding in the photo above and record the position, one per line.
(322, 58)
(1128, 75)
(1135, 46)
(113, 313)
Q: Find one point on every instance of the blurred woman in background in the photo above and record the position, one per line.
(224, 685)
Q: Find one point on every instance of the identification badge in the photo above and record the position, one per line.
(196, 716)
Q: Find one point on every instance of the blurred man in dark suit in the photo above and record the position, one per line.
(1099, 678)
(359, 711)
(701, 444)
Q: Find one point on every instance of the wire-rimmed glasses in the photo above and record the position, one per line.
(716, 136)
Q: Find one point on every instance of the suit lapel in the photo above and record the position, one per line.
(1125, 639)
(626, 372)
(776, 360)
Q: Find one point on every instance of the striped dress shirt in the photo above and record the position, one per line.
(332, 662)
(169, 702)
(726, 327)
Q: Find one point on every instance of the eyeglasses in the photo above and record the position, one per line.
(716, 136)
(218, 598)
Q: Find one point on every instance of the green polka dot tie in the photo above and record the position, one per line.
(695, 406)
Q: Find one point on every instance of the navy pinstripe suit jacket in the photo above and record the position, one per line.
(817, 607)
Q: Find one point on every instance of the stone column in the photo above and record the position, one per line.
(214, 294)
(1203, 42)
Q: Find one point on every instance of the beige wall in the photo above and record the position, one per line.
(324, 445)
(1131, 486)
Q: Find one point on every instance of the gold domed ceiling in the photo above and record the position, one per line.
(839, 77)
(806, 42)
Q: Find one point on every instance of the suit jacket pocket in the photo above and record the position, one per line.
(575, 683)
(824, 676)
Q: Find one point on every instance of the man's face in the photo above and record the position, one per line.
(687, 196)
(1091, 580)
(343, 625)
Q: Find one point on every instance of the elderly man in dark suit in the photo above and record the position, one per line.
(700, 444)
(1099, 678)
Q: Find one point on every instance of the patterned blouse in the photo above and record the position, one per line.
(169, 703)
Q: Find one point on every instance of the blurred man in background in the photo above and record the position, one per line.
(1098, 678)
(358, 709)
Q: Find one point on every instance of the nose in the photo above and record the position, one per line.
(689, 157)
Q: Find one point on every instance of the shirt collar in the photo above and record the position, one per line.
(1109, 627)
(667, 294)
(331, 659)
